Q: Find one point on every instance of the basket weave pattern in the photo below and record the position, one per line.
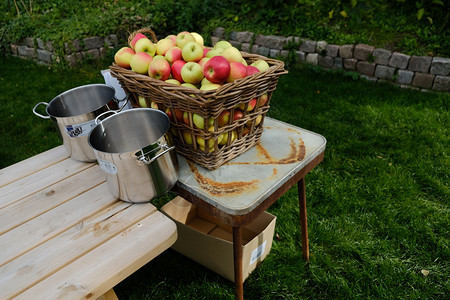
(240, 135)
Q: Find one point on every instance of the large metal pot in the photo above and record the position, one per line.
(133, 149)
(73, 113)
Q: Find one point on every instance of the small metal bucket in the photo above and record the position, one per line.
(73, 113)
(133, 150)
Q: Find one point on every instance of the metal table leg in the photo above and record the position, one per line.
(237, 252)
(303, 218)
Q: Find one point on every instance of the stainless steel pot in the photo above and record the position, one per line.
(133, 150)
(73, 113)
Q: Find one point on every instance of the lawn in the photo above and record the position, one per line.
(378, 205)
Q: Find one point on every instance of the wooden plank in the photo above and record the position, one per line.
(49, 257)
(109, 295)
(93, 274)
(32, 164)
(46, 226)
(35, 204)
(39, 180)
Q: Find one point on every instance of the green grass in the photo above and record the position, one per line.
(378, 205)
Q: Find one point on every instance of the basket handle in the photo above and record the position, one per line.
(145, 31)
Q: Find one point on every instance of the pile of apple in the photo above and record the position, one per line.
(183, 59)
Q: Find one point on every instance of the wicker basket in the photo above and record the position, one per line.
(213, 145)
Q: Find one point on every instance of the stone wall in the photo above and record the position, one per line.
(78, 50)
(373, 64)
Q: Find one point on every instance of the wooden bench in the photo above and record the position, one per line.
(64, 236)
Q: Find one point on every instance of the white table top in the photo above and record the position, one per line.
(241, 184)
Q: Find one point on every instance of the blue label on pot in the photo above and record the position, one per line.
(78, 130)
(107, 166)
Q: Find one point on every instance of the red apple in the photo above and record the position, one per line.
(245, 130)
(224, 118)
(237, 70)
(238, 114)
(173, 37)
(217, 69)
(123, 57)
(205, 51)
(163, 45)
(176, 70)
(159, 69)
(263, 99)
(140, 62)
(202, 62)
(251, 105)
(178, 114)
(252, 70)
(186, 118)
(137, 37)
(173, 54)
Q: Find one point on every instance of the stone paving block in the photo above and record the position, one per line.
(404, 76)
(219, 32)
(346, 51)
(350, 63)
(93, 42)
(112, 40)
(263, 51)
(423, 80)
(312, 58)
(214, 40)
(441, 83)
(321, 47)
(301, 56)
(245, 47)
(440, 66)
(29, 41)
(44, 55)
(399, 60)
(338, 63)
(365, 68)
(244, 36)
(381, 56)
(420, 63)
(326, 61)
(22, 50)
(74, 46)
(236, 44)
(362, 51)
(284, 53)
(14, 49)
(308, 46)
(274, 53)
(260, 40)
(332, 50)
(384, 72)
(293, 40)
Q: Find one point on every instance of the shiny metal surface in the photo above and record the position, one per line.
(240, 185)
(73, 113)
(133, 151)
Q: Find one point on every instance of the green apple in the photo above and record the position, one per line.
(199, 121)
(145, 45)
(189, 85)
(173, 81)
(262, 65)
(222, 45)
(210, 86)
(192, 72)
(163, 45)
(192, 51)
(214, 52)
(187, 137)
(224, 141)
(183, 38)
(142, 102)
(232, 54)
(198, 38)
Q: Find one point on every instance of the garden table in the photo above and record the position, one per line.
(64, 236)
(243, 188)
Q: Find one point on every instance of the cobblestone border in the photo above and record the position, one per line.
(373, 64)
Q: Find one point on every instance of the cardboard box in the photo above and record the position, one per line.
(206, 240)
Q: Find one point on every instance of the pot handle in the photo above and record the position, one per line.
(38, 114)
(126, 99)
(97, 121)
(145, 160)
